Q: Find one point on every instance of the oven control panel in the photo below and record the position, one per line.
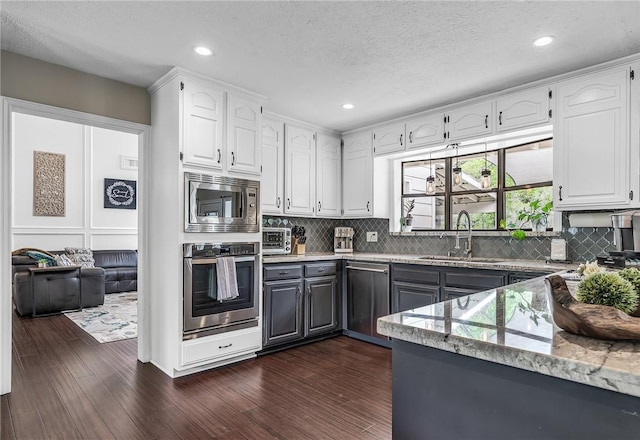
(203, 250)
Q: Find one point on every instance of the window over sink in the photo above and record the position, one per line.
(490, 186)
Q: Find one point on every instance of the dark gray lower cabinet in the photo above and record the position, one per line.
(300, 300)
(407, 296)
(283, 311)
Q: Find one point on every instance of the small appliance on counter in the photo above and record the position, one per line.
(276, 241)
(343, 240)
(626, 239)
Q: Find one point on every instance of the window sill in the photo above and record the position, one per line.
(442, 234)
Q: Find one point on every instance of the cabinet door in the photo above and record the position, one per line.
(272, 182)
(300, 171)
(407, 296)
(468, 122)
(203, 125)
(528, 108)
(282, 311)
(328, 172)
(357, 172)
(388, 139)
(245, 146)
(593, 158)
(455, 293)
(321, 305)
(425, 130)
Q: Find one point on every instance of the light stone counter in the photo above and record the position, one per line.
(512, 326)
(427, 260)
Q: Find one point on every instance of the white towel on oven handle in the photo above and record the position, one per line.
(227, 279)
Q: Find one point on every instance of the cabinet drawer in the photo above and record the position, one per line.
(282, 272)
(474, 280)
(320, 269)
(415, 273)
(221, 346)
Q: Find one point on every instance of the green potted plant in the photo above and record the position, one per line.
(407, 219)
(42, 262)
(534, 213)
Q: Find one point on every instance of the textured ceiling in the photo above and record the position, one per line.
(388, 58)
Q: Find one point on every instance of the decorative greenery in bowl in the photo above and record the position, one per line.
(608, 289)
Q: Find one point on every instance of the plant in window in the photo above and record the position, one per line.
(533, 213)
(407, 219)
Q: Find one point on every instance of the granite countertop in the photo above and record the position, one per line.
(428, 260)
(512, 325)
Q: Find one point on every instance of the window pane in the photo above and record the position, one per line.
(518, 201)
(472, 167)
(428, 212)
(531, 163)
(416, 173)
(481, 208)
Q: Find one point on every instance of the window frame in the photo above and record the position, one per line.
(500, 189)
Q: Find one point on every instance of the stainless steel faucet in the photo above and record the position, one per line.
(467, 247)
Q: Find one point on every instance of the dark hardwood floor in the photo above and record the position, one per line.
(66, 385)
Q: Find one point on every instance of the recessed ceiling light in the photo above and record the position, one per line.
(347, 106)
(543, 41)
(201, 50)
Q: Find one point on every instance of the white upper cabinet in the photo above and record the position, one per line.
(245, 146)
(469, 122)
(525, 109)
(272, 182)
(425, 130)
(300, 171)
(389, 139)
(596, 141)
(203, 124)
(357, 173)
(328, 181)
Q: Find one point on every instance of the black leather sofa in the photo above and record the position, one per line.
(115, 271)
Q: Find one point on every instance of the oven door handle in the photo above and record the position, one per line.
(215, 260)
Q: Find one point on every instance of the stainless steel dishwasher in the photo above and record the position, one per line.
(367, 296)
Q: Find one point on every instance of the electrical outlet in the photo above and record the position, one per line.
(372, 236)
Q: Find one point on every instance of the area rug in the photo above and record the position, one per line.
(115, 320)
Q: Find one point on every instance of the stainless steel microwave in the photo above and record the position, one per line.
(220, 204)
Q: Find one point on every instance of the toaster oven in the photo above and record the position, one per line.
(276, 241)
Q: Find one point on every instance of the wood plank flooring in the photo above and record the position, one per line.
(66, 385)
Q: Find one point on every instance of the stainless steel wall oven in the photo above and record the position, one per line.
(205, 310)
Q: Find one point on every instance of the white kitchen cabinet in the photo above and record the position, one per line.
(245, 146)
(425, 130)
(528, 108)
(389, 139)
(203, 124)
(469, 122)
(300, 171)
(272, 183)
(328, 176)
(357, 173)
(596, 141)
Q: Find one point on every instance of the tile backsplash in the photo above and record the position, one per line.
(582, 245)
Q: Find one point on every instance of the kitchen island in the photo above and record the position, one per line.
(492, 365)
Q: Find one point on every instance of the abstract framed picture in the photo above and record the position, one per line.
(120, 194)
(48, 184)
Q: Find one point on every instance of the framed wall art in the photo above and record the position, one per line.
(120, 194)
(48, 184)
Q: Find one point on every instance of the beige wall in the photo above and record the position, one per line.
(37, 81)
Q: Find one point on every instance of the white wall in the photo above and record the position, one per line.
(91, 155)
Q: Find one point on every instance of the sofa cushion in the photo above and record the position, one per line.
(37, 256)
(116, 258)
(80, 256)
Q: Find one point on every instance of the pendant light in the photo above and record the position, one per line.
(485, 173)
(430, 180)
(457, 171)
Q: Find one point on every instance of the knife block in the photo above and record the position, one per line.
(297, 248)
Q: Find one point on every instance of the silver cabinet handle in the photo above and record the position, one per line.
(560, 193)
(220, 347)
(219, 155)
(233, 158)
(288, 203)
(500, 119)
(278, 202)
(486, 121)
(319, 206)
(400, 140)
(283, 272)
(367, 206)
(308, 291)
(366, 269)
(411, 137)
(298, 292)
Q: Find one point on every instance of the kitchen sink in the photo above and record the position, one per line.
(447, 258)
